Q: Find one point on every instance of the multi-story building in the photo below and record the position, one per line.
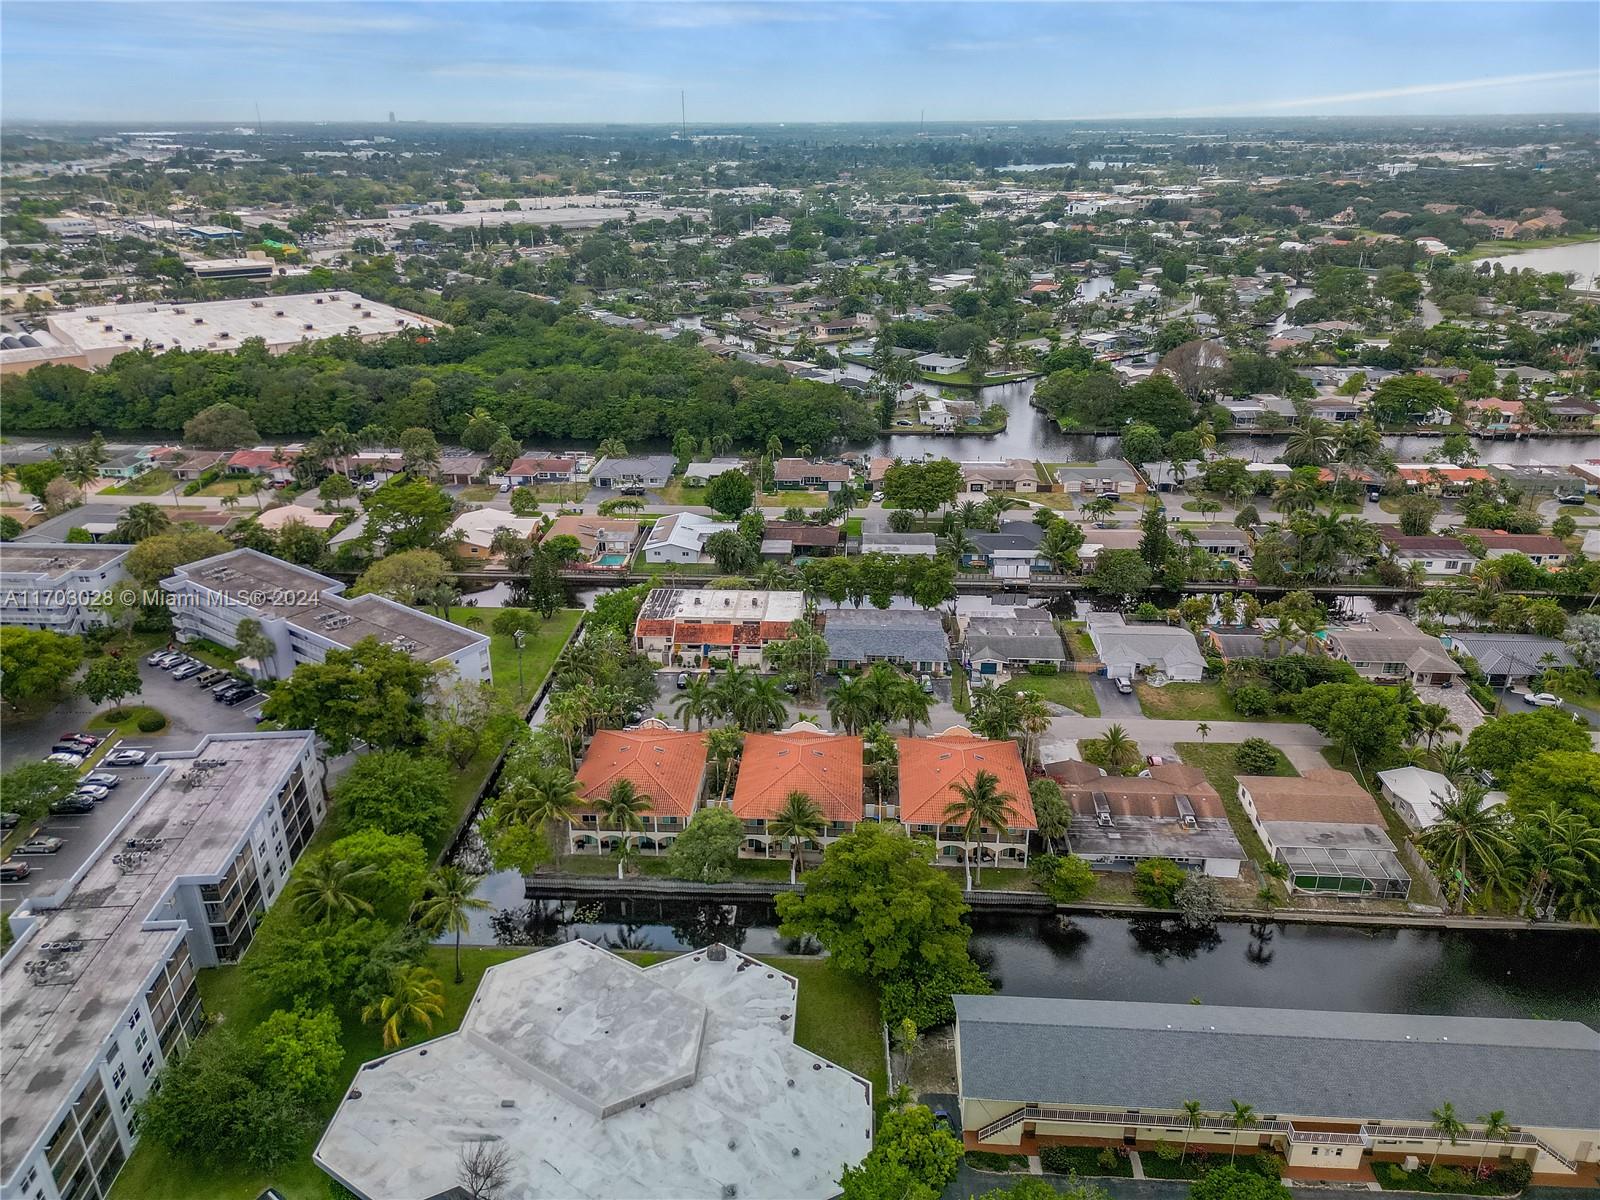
(933, 769)
(680, 627)
(305, 616)
(667, 768)
(58, 585)
(804, 758)
(1332, 1091)
(97, 993)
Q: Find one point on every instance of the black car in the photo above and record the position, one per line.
(73, 805)
(239, 697)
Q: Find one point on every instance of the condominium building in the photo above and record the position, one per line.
(305, 616)
(58, 586)
(97, 992)
(665, 766)
(825, 767)
(932, 772)
(1331, 1090)
(681, 627)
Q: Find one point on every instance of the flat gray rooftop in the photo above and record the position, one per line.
(54, 1029)
(279, 589)
(1210, 837)
(694, 1058)
(1296, 1062)
(47, 560)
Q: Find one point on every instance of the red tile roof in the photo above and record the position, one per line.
(1525, 543)
(253, 459)
(666, 765)
(825, 766)
(930, 769)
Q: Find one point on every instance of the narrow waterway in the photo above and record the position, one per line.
(1537, 973)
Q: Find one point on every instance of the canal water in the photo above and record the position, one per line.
(1534, 973)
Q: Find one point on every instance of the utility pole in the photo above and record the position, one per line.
(519, 637)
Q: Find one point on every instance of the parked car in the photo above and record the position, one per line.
(92, 790)
(172, 664)
(166, 658)
(504, 488)
(40, 845)
(77, 748)
(35, 506)
(1155, 760)
(10, 820)
(1570, 499)
(86, 739)
(1543, 700)
(1125, 686)
(14, 872)
(65, 758)
(72, 806)
(189, 670)
(239, 697)
(103, 779)
(683, 680)
(124, 758)
(214, 676)
(227, 685)
(154, 659)
(227, 694)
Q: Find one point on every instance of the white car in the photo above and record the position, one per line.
(123, 758)
(65, 759)
(92, 790)
(1543, 700)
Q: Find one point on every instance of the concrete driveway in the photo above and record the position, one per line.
(1113, 704)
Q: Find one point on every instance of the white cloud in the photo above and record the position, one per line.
(544, 73)
(1392, 93)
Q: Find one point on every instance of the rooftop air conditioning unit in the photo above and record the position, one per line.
(199, 320)
(319, 299)
(309, 325)
(277, 312)
(257, 304)
(109, 327)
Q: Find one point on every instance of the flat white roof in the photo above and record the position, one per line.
(607, 1080)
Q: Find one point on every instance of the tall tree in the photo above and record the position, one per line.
(978, 805)
(797, 820)
(448, 903)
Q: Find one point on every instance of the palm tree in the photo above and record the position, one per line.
(1451, 761)
(1117, 747)
(323, 891)
(1034, 719)
(851, 705)
(1468, 836)
(762, 706)
(1495, 1129)
(623, 809)
(415, 995)
(1553, 848)
(447, 902)
(696, 702)
(1446, 1125)
(800, 818)
(539, 796)
(1204, 730)
(978, 804)
(1310, 445)
(724, 744)
(731, 688)
(1191, 1122)
(1242, 1116)
(1432, 722)
(911, 703)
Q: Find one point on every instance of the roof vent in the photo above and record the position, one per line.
(730, 1191)
(508, 1104)
(717, 952)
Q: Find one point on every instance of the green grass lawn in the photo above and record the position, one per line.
(478, 493)
(152, 1174)
(539, 653)
(1188, 702)
(787, 499)
(1071, 688)
(679, 492)
(1216, 760)
(127, 724)
(151, 483)
(852, 527)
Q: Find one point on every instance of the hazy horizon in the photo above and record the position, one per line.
(808, 63)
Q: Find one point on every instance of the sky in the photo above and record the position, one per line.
(598, 61)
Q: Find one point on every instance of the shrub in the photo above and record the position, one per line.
(1043, 669)
(1156, 881)
(1058, 1160)
(1255, 756)
(1167, 1152)
(1449, 1179)
(988, 1160)
(1147, 612)
(152, 721)
(1107, 1158)
(1252, 700)
(1512, 1176)
(1063, 879)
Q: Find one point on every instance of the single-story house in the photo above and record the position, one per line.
(646, 471)
(1162, 651)
(1096, 540)
(1388, 646)
(1418, 794)
(1107, 476)
(801, 474)
(681, 537)
(128, 465)
(1010, 552)
(908, 637)
(606, 541)
(1542, 548)
(1256, 411)
(699, 473)
(792, 539)
(276, 518)
(1438, 553)
(1012, 475)
(184, 464)
(1235, 643)
(908, 545)
(472, 533)
(275, 463)
(1010, 640)
(1327, 830)
(533, 469)
(1224, 541)
(940, 364)
(462, 469)
(1507, 659)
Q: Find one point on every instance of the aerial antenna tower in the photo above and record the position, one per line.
(258, 118)
(683, 116)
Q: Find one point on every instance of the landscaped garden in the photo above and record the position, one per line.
(1070, 688)
(1207, 701)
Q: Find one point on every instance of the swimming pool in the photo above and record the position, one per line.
(611, 560)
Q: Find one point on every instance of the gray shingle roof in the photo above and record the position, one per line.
(1315, 1064)
(1511, 653)
(862, 634)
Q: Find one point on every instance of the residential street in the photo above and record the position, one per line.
(1300, 743)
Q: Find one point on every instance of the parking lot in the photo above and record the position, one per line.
(190, 713)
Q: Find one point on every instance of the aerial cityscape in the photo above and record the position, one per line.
(783, 600)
